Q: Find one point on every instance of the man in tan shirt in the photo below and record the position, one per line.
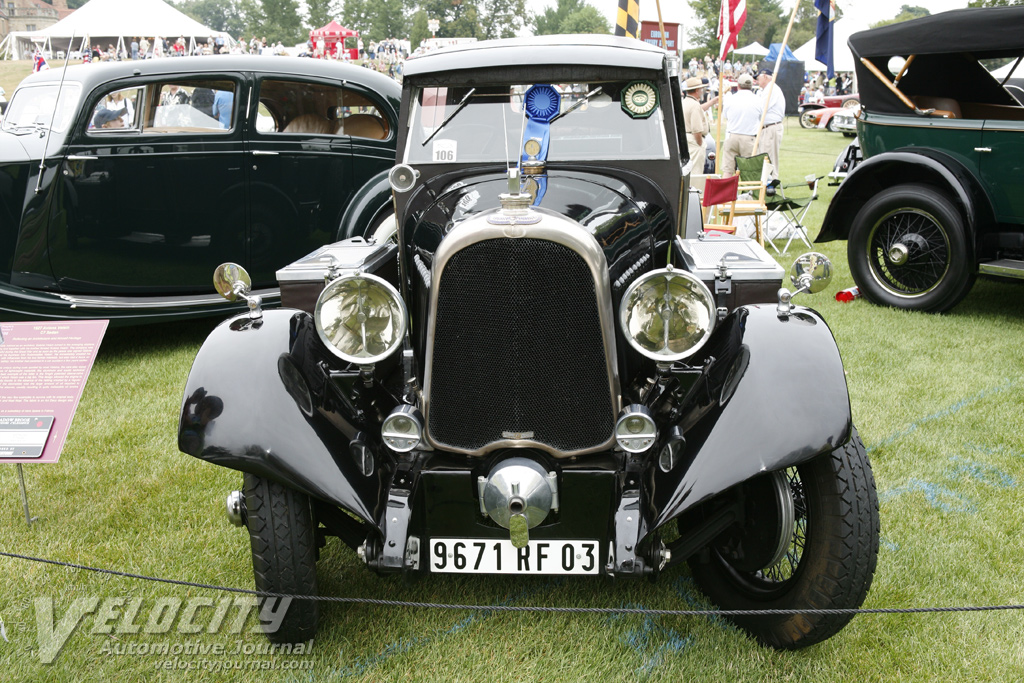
(695, 122)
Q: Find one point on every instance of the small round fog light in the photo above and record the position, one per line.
(635, 431)
(402, 430)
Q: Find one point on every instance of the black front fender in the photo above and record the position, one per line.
(782, 401)
(239, 412)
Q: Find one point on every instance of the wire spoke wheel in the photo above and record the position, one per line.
(909, 247)
(808, 538)
(909, 252)
(784, 568)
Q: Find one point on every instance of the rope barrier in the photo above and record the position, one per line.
(522, 608)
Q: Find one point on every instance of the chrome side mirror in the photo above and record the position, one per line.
(811, 272)
(233, 282)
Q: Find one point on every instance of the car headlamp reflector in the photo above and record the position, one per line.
(361, 318)
(635, 431)
(402, 430)
(667, 314)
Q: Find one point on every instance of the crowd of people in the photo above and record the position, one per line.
(386, 56)
(751, 127)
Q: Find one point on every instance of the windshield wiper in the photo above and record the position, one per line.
(579, 103)
(451, 116)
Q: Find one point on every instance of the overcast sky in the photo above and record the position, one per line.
(678, 11)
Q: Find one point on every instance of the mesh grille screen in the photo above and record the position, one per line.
(518, 348)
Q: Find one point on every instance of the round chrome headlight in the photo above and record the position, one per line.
(361, 318)
(667, 314)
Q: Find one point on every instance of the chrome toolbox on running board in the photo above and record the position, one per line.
(302, 281)
(750, 275)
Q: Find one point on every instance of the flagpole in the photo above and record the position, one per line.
(661, 27)
(722, 21)
(775, 74)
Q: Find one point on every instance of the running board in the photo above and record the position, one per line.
(270, 296)
(1003, 268)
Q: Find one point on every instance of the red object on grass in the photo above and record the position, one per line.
(848, 295)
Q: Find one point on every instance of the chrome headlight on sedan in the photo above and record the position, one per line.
(667, 314)
(361, 318)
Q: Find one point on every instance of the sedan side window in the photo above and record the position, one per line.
(190, 107)
(117, 110)
(293, 107)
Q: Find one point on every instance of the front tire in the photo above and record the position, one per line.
(807, 119)
(908, 249)
(829, 550)
(282, 534)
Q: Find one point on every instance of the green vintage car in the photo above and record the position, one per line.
(937, 199)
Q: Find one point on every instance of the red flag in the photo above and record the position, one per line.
(730, 23)
(39, 62)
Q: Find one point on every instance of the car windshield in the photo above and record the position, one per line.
(33, 107)
(491, 126)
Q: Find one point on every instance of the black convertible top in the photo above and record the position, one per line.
(984, 32)
(946, 49)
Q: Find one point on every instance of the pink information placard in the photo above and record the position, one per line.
(43, 370)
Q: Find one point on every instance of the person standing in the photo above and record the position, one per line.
(771, 133)
(221, 110)
(695, 122)
(742, 115)
(135, 48)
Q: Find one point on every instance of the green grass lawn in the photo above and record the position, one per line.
(937, 400)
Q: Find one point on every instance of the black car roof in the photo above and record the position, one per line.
(983, 32)
(583, 50)
(91, 75)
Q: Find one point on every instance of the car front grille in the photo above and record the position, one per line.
(518, 351)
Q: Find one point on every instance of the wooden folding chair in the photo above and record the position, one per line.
(719, 201)
(753, 173)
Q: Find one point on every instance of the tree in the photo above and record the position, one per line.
(355, 14)
(321, 12)
(549, 22)
(458, 18)
(220, 15)
(283, 22)
(766, 23)
(585, 20)
(388, 19)
(504, 18)
(906, 13)
(419, 30)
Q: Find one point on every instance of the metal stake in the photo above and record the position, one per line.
(24, 495)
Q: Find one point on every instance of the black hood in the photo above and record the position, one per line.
(20, 148)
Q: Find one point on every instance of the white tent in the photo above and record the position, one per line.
(841, 55)
(110, 21)
(755, 48)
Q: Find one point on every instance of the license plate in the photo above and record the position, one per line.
(490, 556)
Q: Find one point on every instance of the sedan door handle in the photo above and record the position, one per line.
(982, 149)
(81, 157)
(263, 153)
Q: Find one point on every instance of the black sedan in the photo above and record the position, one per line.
(153, 172)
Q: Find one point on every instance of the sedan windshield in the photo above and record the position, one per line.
(489, 124)
(34, 107)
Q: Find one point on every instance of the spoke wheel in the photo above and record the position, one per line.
(909, 252)
(808, 120)
(908, 249)
(829, 547)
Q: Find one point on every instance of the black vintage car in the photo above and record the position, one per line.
(158, 170)
(937, 199)
(541, 375)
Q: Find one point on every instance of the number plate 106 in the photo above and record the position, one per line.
(490, 556)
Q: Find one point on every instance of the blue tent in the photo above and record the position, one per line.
(773, 54)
